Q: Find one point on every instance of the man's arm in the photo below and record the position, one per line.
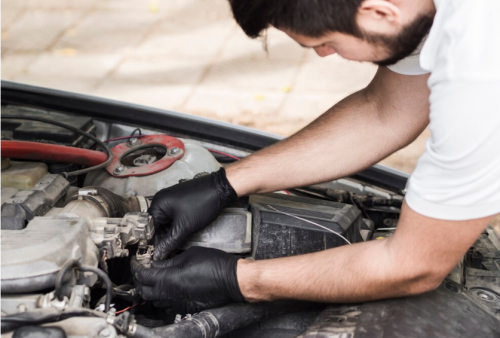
(357, 132)
(415, 260)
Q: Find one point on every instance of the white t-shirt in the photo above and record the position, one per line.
(458, 176)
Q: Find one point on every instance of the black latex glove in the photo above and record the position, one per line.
(204, 277)
(187, 207)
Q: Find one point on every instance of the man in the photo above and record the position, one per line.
(451, 195)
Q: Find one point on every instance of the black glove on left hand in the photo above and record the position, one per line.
(204, 276)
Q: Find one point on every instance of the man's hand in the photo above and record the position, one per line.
(187, 207)
(202, 276)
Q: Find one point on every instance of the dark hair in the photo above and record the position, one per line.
(312, 18)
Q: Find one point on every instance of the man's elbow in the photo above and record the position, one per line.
(425, 280)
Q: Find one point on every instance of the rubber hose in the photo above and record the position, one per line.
(118, 205)
(52, 153)
(217, 322)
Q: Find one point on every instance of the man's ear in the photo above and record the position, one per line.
(379, 13)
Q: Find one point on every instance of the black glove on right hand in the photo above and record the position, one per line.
(188, 207)
(203, 277)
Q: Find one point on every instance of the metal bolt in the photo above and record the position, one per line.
(87, 192)
(133, 141)
(177, 319)
(174, 151)
(485, 295)
(119, 170)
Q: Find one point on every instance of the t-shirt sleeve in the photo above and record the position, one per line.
(458, 176)
(411, 64)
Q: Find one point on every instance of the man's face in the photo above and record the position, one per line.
(380, 48)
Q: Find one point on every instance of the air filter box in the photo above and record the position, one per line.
(281, 225)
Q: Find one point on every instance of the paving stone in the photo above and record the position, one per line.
(37, 30)
(157, 70)
(162, 96)
(14, 65)
(251, 73)
(223, 102)
(203, 42)
(78, 73)
(102, 33)
(9, 17)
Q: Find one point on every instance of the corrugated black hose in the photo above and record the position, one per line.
(216, 322)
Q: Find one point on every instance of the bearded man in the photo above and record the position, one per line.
(438, 67)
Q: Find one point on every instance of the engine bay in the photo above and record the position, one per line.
(67, 240)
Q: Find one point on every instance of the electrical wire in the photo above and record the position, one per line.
(105, 279)
(75, 130)
(123, 138)
(235, 158)
(136, 129)
(221, 153)
(73, 263)
(70, 263)
(311, 222)
(127, 137)
(128, 308)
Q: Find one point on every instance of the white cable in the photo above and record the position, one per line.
(311, 222)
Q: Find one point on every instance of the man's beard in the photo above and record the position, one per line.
(403, 44)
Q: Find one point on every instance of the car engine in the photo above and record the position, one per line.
(67, 239)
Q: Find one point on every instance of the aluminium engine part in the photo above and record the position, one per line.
(99, 202)
(195, 160)
(144, 254)
(32, 257)
(112, 235)
(230, 232)
(75, 327)
(26, 204)
(14, 303)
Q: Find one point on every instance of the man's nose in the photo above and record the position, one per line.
(324, 50)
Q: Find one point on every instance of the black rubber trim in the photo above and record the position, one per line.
(169, 121)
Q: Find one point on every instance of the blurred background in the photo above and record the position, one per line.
(183, 55)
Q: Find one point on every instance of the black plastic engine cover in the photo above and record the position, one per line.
(277, 232)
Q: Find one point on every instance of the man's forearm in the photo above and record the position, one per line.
(356, 133)
(414, 260)
(355, 273)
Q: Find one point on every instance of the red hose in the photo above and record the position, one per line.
(51, 153)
